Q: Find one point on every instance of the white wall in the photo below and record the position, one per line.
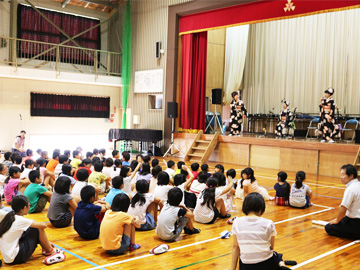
(15, 100)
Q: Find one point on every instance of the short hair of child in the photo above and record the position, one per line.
(282, 176)
(29, 152)
(231, 173)
(124, 171)
(98, 166)
(156, 170)
(204, 167)
(221, 178)
(170, 163)
(179, 179)
(7, 155)
(33, 175)
(180, 164)
(109, 162)
(126, 156)
(89, 154)
(44, 153)
(102, 151)
(117, 163)
(96, 151)
(202, 177)
(145, 169)
(56, 154)
(66, 169)
(253, 202)
(96, 159)
(220, 167)
(175, 196)
(62, 185)
(114, 153)
(121, 202)
(38, 151)
(117, 182)
(163, 179)
(63, 158)
(194, 166)
(82, 174)
(87, 193)
(87, 161)
(67, 152)
(29, 162)
(133, 164)
(75, 153)
(17, 159)
(146, 159)
(40, 162)
(154, 162)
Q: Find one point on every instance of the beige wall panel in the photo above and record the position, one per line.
(330, 162)
(231, 153)
(265, 157)
(217, 36)
(215, 65)
(298, 160)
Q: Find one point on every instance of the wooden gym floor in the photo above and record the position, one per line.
(297, 238)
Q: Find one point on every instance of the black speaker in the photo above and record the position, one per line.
(172, 109)
(216, 96)
(357, 136)
(158, 48)
(300, 133)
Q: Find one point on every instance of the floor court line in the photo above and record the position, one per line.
(205, 241)
(325, 254)
(79, 257)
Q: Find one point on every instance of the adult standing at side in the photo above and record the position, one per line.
(347, 223)
(19, 143)
(238, 111)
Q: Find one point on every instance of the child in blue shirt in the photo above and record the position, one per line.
(86, 223)
(118, 185)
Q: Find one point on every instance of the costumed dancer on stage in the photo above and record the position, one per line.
(327, 127)
(285, 118)
(238, 111)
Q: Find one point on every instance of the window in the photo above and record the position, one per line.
(32, 26)
(69, 106)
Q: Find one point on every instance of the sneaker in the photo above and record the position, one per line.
(159, 249)
(331, 141)
(134, 247)
(226, 216)
(322, 141)
(231, 220)
(225, 234)
(53, 251)
(290, 262)
(55, 258)
(193, 231)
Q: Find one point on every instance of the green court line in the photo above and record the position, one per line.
(195, 263)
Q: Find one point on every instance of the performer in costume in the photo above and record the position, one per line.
(238, 111)
(285, 117)
(327, 127)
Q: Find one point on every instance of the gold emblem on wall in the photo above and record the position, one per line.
(289, 6)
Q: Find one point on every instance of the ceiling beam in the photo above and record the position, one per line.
(64, 3)
(100, 2)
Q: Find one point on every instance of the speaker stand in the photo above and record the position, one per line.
(172, 145)
(216, 122)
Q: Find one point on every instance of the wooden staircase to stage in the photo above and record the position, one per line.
(201, 149)
(357, 162)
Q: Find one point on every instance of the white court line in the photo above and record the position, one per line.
(309, 183)
(325, 254)
(204, 241)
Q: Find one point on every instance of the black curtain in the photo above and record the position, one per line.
(69, 106)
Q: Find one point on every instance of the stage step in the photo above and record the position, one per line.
(195, 153)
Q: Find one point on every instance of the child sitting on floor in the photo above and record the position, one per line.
(219, 168)
(282, 189)
(162, 188)
(239, 192)
(144, 205)
(195, 169)
(62, 205)
(199, 184)
(174, 218)
(109, 162)
(257, 254)
(85, 222)
(153, 182)
(98, 178)
(37, 194)
(14, 185)
(63, 159)
(19, 236)
(183, 183)
(128, 175)
(250, 185)
(170, 169)
(126, 158)
(117, 229)
(27, 167)
(76, 159)
(117, 186)
(205, 168)
(46, 175)
(3, 172)
(116, 168)
(210, 205)
(179, 166)
(300, 195)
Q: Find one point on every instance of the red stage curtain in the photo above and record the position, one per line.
(260, 11)
(193, 81)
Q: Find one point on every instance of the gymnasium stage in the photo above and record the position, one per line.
(309, 155)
